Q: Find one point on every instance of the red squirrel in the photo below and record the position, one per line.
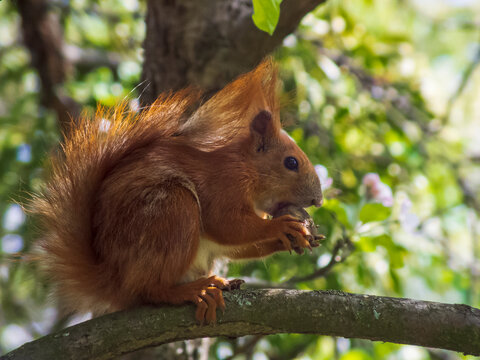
(138, 206)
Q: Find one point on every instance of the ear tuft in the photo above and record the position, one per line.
(261, 129)
(261, 122)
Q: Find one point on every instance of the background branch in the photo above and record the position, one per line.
(88, 59)
(467, 74)
(342, 249)
(255, 312)
(42, 35)
(342, 245)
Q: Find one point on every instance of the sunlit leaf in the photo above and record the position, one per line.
(374, 212)
(266, 14)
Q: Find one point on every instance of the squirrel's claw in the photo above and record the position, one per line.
(233, 285)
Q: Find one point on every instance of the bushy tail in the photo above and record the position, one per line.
(65, 206)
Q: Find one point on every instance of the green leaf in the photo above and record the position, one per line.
(374, 212)
(338, 209)
(266, 14)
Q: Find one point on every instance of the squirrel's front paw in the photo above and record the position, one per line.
(292, 233)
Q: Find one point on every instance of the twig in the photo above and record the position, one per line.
(380, 89)
(340, 245)
(463, 84)
(246, 348)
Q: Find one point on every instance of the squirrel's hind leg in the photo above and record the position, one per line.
(158, 238)
(174, 232)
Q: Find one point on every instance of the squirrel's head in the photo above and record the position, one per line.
(285, 174)
(247, 109)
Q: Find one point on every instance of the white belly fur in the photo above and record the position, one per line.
(204, 262)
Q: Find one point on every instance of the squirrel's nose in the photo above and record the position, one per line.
(318, 201)
(316, 191)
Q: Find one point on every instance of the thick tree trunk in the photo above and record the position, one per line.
(207, 43)
(405, 321)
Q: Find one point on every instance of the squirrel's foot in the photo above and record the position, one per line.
(211, 296)
(205, 293)
(207, 302)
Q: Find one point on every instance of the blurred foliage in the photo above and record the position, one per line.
(374, 91)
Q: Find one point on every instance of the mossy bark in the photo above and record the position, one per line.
(405, 321)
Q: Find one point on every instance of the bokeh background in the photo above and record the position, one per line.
(384, 97)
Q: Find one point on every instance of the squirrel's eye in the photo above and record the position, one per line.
(291, 163)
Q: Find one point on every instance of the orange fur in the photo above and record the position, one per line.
(140, 205)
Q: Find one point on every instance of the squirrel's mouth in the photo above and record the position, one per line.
(276, 208)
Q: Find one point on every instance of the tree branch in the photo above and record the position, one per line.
(254, 312)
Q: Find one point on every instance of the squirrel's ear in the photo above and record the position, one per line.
(261, 128)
